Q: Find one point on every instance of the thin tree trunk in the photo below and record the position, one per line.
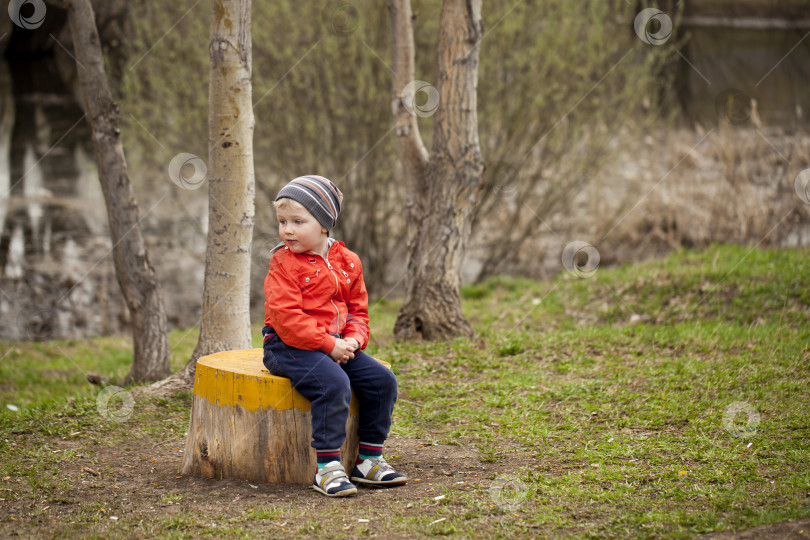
(135, 273)
(443, 185)
(225, 322)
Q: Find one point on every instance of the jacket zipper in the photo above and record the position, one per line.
(337, 290)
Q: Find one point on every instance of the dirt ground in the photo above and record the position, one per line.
(136, 491)
(142, 483)
(789, 530)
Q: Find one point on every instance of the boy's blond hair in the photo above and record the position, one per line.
(288, 203)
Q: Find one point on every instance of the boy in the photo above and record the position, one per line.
(316, 327)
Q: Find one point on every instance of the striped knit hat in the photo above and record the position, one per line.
(318, 195)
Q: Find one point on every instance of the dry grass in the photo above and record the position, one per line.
(724, 186)
(682, 188)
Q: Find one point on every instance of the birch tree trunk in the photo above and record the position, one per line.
(135, 273)
(443, 184)
(225, 323)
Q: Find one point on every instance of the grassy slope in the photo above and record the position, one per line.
(604, 398)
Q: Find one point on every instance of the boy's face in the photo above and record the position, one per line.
(300, 231)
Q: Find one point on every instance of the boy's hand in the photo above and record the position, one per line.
(354, 343)
(343, 351)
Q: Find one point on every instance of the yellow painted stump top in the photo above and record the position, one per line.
(231, 378)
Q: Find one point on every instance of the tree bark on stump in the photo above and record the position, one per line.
(246, 423)
(444, 183)
(135, 273)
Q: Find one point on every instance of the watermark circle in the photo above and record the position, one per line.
(265, 251)
(749, 428)
(340, 18)
(645, 23)
(572, 256)
(34, 14)
(339, 323)
(36, 324)
(187, 171)
(502, 178)
(108, 397)
(409, 99)
(508, 492)
(802, 186)
(733, 106)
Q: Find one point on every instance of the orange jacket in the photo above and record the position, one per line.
(310, 300)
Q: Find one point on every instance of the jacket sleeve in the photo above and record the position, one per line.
(283, 303)
(357, 305)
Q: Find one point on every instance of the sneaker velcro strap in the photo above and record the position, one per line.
(331, 474)
(380, 469)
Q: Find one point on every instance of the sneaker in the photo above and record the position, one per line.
(332, 481)
(376, 471)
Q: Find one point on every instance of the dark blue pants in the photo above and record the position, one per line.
(328, 386)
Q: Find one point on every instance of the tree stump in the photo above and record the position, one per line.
(246, 423)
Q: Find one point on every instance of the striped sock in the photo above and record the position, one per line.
(368, 450)
(326, 456)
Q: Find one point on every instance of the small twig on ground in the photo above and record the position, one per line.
(97, 379)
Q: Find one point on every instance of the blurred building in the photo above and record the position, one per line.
(737, 51)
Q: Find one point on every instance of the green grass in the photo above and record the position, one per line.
(617, 386)
(603, 397)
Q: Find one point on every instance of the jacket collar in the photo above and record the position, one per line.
(280, 245)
